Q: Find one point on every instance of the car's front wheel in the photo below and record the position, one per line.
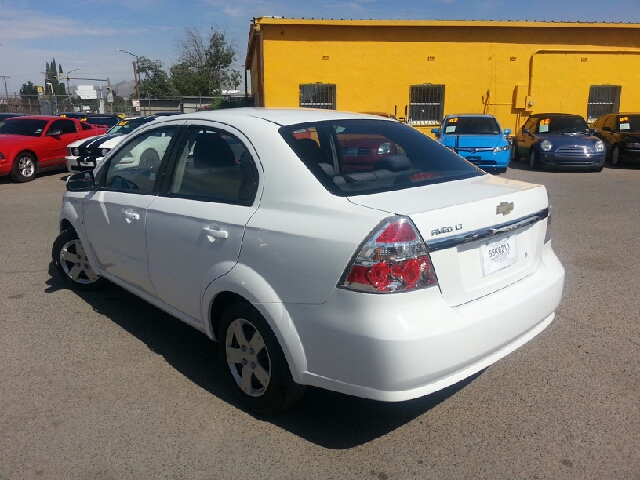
(534, 163)
(24, 168)
(616, 161)
(70, 260)
(514, 151)
(256, 365)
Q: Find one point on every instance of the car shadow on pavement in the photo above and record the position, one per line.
(328, 419)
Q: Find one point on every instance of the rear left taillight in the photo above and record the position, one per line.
(393, 259)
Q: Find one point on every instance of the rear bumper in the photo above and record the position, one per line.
(403, 346)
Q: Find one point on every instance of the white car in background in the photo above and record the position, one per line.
(87, 154)
(389, 283)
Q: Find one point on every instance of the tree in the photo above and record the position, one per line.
(203, 66)
(156, 82)
(28, 89)
(53, 73)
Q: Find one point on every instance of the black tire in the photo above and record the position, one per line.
(616, 161)
(534, 161)
(71, 263)
(514, 150)
(24, 168)
(244, 335)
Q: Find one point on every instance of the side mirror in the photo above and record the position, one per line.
(81, 182)
(606, 129)
(54, 133)
(436, 131)
(507, 131)
(525, 130)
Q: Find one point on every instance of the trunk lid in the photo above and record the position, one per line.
(483, 233)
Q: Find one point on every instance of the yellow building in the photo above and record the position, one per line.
(420, 71)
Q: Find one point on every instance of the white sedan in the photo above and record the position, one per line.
(388, 278)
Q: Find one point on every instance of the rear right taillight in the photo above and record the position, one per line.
(393, 259)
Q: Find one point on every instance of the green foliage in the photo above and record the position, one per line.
(155, 82)
(51, 73)
(203, 66)
(28, 89)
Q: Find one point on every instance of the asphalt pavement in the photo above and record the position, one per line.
(104, 386)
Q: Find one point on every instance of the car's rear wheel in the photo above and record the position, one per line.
(256, 365)
(616, 161)
(70, 260)
(534, 162)
(24, 168)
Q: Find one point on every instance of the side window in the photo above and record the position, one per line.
(611, 122)
(85, 126)
(135, 166)
(65, 126)
(214, 166)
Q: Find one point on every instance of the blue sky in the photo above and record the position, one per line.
(85, 34)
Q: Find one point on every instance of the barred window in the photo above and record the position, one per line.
(426, 104)
(318, 95)
(603, 99)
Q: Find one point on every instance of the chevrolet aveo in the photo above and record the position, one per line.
(253, 227)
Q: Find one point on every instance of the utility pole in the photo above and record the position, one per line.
(6, 90)
(135, 76)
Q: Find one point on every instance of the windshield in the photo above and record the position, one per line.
(629, 123)
(127, 126)
(563, 125)
(30, 128)
(356, 157)
(471, 126)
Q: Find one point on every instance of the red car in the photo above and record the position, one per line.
(32, 144)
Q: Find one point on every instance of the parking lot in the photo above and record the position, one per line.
(104, 386)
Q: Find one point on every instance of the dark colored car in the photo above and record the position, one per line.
(4, 116)
(620, 133)
(95, 118)
(559, 140)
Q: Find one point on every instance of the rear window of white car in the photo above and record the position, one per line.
(356, 157)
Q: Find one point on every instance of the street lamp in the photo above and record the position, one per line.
(136, 74)
(68, 90)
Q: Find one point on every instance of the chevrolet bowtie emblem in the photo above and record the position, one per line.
(504, 208)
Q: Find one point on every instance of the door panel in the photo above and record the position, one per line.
(116, 216)
(195, 232)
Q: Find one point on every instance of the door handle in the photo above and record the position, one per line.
(130, 216)
(212, 234)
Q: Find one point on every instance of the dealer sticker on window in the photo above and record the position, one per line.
(498, 254)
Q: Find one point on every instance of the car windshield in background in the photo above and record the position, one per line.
(563, 125)
(629, 123)
(127, 126)
(356, 157)
(30, 128)
(471, 126)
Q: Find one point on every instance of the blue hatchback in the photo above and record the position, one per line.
(477, 138)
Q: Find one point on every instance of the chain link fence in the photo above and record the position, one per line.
(54, 105)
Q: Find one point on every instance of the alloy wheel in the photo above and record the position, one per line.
(74, 262)
(26, 166)
(248, 358)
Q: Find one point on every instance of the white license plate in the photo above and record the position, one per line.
(498, 254)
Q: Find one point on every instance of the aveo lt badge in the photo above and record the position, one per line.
(504, 208)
